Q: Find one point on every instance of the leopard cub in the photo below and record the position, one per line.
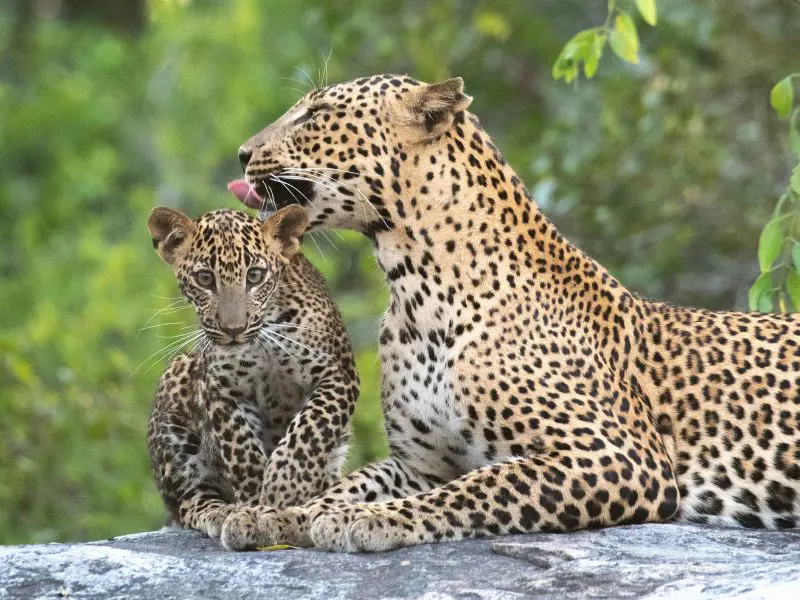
(259, 413)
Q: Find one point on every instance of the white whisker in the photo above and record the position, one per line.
(306, 177)
(310, 174)
(269, 338)
(311, 81)
(288, 339)
(299, 327)
(173, 347)
(287, 185)
(325, 71)
(319, 248)
(167, 310)
(157, 325)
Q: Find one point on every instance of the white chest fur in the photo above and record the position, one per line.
(422, 394)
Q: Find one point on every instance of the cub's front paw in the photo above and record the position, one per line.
(240, 528)
(212, 523)
(251, 527)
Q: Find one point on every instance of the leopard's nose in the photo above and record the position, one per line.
(245, 154)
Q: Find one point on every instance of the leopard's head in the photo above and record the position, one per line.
(228, 264)
(340, 150)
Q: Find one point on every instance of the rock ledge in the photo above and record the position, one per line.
(642, 561)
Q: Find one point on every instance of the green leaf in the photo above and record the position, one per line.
(761, 287)
(593, 56)
(794, 180)
(782, 97)
(624, 39)
(794, 133)
(793, 288)
(769, 244)
(275, 547)
(796, 256)
(578, 49)
(647, 8)
(765, 303)
(566, 69)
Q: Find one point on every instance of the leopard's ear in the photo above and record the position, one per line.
(430, 110)
(286, 226)
(171, 231)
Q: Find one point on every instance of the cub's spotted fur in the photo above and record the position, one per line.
(525, 389)
(260, 413)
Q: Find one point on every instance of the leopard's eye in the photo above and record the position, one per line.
(205, 278)
(255, 276)
(309, 113)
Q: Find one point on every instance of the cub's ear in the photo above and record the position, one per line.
(431, 109)
(286, 226)
(171, 231)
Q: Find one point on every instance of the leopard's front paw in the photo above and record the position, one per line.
(251, 527)
(358, 529)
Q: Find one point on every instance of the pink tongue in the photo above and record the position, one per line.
(246, 193)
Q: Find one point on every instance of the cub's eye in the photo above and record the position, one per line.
(255, 276)
(205, 278)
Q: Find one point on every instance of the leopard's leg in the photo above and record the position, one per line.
(376, 482)
(554, 492)
(186, 470)
(309, 457)
(620, 472)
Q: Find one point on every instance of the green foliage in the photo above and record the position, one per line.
(624, 39)
(777, 285)
(794, 134)
(587, 46)
(782, 97)
(661, 169)
(770, 242)
(778, 247)
(648, 10)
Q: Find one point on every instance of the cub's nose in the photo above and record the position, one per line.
(233, 332)
(245, 154)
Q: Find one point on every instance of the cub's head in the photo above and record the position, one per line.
(340, 150)
(228, 264)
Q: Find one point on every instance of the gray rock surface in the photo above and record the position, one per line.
(643, 561)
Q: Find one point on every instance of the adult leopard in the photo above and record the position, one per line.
(525, 389)
(260, 413)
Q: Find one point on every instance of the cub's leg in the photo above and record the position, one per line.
(309, 457)
(187, 471)
(237, 433)
(261, 526)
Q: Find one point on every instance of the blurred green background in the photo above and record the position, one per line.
(664, 171)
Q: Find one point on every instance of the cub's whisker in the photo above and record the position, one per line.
(288, 339)
(173, 347)
(269, 338)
